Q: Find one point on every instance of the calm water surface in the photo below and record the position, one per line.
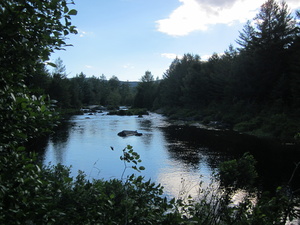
(174, 156)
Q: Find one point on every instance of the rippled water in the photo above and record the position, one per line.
(175, 156)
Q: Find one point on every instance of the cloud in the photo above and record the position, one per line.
(199, 15)
(128, 66)
(88, 67)
(173, 56)
(170, 55)
(82, 33)
(206, 57)
(218, 3)
(293, 4)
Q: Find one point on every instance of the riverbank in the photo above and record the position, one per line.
(278, 126)
(282, 127)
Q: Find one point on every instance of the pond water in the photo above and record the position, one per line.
(178, 157)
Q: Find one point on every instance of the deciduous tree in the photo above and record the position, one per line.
(29, 32)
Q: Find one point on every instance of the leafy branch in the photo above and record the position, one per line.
(130, 157)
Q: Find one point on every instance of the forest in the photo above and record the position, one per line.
(254, 89)
(71, 94)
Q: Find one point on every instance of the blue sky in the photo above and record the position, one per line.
(125, 38)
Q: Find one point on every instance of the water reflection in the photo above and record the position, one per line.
(146, 126)
(175, 183)
(171, 154)
(195, 146)
(58, 142)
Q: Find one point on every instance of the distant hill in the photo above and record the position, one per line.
(131, 83)
(134, 84)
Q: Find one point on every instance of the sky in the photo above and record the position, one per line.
(126, 38)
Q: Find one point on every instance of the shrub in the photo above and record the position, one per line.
(238, 173)
(31, 194)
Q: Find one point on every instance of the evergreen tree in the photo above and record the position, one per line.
(267, 47)
(59, 69)
(104, 90)
(145, 95)
(114, 83)
(59, 86)
(172, 85)
(126, 94)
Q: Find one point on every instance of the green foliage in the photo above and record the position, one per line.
(249, 125)
(185, 114)
(184, 83)
(130, 156)
(258, 80)
(49, 195)
(277, 125)
(33, 194)
(24, 117)
(81, 91)
(114, 98)
(58, 90)
(277, 209)
(29, 32)
(59, 69)
(146, 92)
(238, 173)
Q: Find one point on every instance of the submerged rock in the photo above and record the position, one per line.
(126, 133)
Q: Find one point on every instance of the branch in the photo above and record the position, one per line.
(293, 174)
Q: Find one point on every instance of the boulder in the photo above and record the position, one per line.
(126, 133)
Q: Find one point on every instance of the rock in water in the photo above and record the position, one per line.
(126, 133)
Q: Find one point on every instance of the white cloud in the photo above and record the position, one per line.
(206, 57)
(128, 66)
(82, 33)
(170, 55)
(88, 67)
(195, 15)
(293, 4)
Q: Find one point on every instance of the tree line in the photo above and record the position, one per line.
(79, 91)
(31, 193)
(254, 86)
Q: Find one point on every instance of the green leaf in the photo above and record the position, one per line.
(72, 12)
(112, 196)
(66, 9)
(43, 108)
(141, 168)
(21, 148)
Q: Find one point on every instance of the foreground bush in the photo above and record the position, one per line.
(31, 194)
